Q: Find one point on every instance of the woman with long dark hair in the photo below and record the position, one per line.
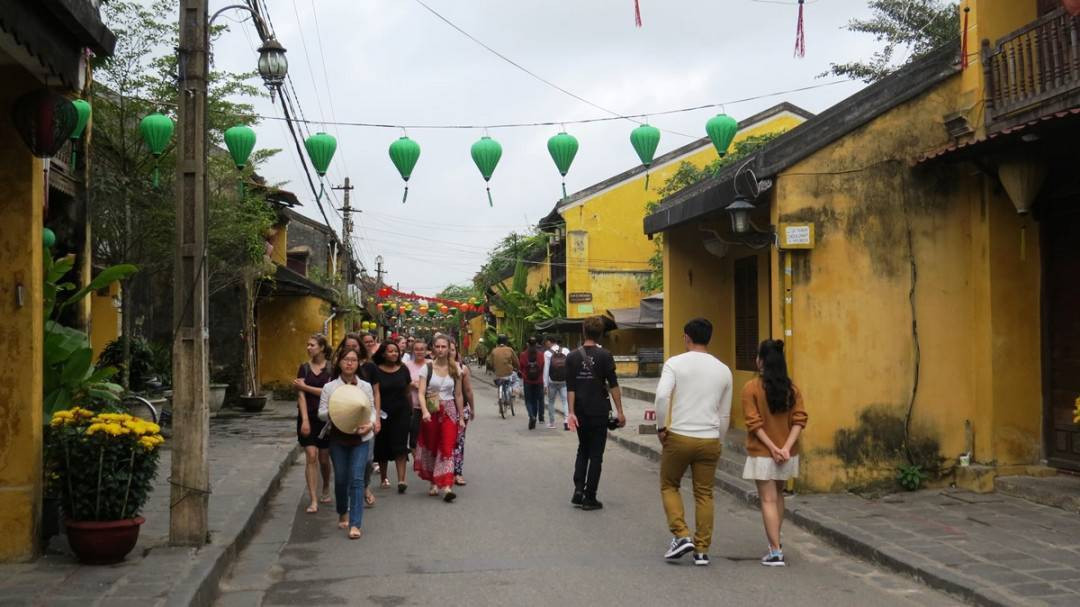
(469, 414)
(442, 418)
(392, 442)
(775, 416)
(310, 379)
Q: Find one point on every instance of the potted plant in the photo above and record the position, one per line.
(104, 464)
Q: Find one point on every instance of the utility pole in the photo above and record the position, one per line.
(346, 229)
(190, 483)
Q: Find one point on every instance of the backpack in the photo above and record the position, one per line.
(532, 369)
(557, 368)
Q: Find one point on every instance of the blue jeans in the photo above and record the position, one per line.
(349, 464)
(556, 389)
(534, 400)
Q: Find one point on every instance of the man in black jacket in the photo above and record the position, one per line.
(590, 378)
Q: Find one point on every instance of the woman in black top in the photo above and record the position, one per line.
(310, 379)
(392, 442)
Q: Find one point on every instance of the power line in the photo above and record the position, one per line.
(617, 115)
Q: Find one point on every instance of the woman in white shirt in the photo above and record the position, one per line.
(442, 412)
(349, 447)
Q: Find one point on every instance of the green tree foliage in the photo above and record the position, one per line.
(506, 254)
(686, 175)
(460, 292)
(917, 26)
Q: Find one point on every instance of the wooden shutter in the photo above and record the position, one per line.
(746, 313)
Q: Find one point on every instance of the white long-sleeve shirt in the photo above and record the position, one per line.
(324, 402)
(547, 362)
(699, 387)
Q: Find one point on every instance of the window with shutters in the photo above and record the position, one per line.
(746, 313)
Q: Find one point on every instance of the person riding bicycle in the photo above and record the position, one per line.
(505, 361)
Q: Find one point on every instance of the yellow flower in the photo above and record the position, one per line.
(147, 443)
(94, 429)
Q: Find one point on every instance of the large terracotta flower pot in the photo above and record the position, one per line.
(103, 542)
(252, 404)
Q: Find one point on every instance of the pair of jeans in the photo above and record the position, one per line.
(700, 455)
(534, 400)
(592, 438)
(349, 464)
(556, 388)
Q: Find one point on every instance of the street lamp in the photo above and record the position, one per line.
(740, 214)
(273, 65)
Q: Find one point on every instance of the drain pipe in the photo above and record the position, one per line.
(326, 326)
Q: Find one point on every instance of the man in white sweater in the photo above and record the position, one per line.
(693, 411)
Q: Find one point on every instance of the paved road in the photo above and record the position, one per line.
(512, 538)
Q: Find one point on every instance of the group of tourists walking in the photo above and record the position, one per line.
(416, 400)
(421, 401)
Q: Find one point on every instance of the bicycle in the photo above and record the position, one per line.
(139, 407)
(506, 397)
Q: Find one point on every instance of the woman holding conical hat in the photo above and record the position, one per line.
(348, 404)
(443, 417)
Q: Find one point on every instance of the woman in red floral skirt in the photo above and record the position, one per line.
(442, 417)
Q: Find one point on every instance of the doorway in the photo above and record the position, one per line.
(1061, 311)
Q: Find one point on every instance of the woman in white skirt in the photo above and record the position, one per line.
(775, 415)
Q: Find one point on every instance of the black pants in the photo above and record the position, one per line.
(534, 400)
(592, 438)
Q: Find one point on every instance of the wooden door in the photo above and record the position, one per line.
(1061, 233)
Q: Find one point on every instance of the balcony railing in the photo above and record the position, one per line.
(1034, 67)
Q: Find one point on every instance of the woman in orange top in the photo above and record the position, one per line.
(775, 416)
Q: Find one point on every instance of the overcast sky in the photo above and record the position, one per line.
(391, 61)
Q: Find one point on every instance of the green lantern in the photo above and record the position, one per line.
(404, 153)
(241, 141)
(321, 148)
(563, 148)
(48, 238)
(83, 110)
(486, 154)
(157, 130)
(721, 129)
(645, 138)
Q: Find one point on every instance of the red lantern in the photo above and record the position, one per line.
(1071, 6)
(443, 309)
(45, 121)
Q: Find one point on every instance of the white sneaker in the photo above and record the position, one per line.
(550, 426)
(680, 546)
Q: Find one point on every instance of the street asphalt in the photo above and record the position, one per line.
(512, 538)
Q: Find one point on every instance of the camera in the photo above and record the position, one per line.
(612, 421)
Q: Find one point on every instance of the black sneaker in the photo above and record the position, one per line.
(773, 559)
(590, 503)
(679, 546)
(577, 498)
(701, 560)
(532, 423)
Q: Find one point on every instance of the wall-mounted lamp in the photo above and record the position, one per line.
(740, 214)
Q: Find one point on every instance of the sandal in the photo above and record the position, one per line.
(355, 533)
(449, 495)
(369, 499)
(401, 487)
(433, 491)
(460, 481)
(343, 521)
(312, 509)
(326, 498)
(385, 483)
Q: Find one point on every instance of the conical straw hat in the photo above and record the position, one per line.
(350, 408)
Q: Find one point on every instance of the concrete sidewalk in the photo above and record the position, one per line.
(249, 453)
(990, 549)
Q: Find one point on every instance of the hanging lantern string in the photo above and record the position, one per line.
(800, 34)
(490, 203)
(637, 13)
(512, 125)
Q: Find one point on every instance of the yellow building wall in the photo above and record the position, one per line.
(279, 240)
(104, 319)
(607, 252)
(284, 324)
(21, 327)
(476, 327)
(975, 302)
(539, 274)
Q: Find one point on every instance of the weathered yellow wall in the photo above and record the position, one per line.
(976, 303)
(279, 239)
(539, 274)
(607, 252)
(104, 319)
(284, 324)
(477, 325)
(21, 327)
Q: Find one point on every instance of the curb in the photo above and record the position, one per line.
(200, 586)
